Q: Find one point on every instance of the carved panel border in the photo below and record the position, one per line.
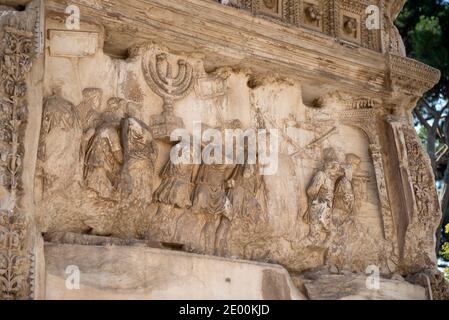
(20, 43)
(423, 213)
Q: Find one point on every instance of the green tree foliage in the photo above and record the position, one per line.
(424, 26)
(444, 253)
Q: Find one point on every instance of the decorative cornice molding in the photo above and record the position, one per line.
(395, 8)
(329, 17)
(234, 38)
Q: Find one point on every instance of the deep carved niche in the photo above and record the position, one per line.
(359, 113)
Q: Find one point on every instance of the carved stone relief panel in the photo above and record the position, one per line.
(121, 182)
(361, 114)
(326, 205)
(103, 170)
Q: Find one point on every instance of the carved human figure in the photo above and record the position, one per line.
(243, 186)
(210, 194)
(140, 153)
(116, 109)
(321, 195)
(245, 183)
(89, 107)
(176, 186)
(89, 114)
(103, 162)
(210, 197)
(57, 151)
(344, 198)
(313, 13)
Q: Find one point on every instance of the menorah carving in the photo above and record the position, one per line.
(158, 73)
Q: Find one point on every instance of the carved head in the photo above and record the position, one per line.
(350, 25)
(330, 155)
(332, 168)
(313, 13)
(137, 133)
(353, 160)
(352, 164)
(93, 97)
(331, 163)
(270, 4)
(59, 113)
(116, 108)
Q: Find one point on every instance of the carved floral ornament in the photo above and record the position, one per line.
(19, 45)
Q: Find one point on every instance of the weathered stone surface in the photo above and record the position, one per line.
(322, 284)
(341, 287)
(159, 274)
(85, 144)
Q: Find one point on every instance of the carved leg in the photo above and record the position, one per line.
(209, 231)
(222, 236)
